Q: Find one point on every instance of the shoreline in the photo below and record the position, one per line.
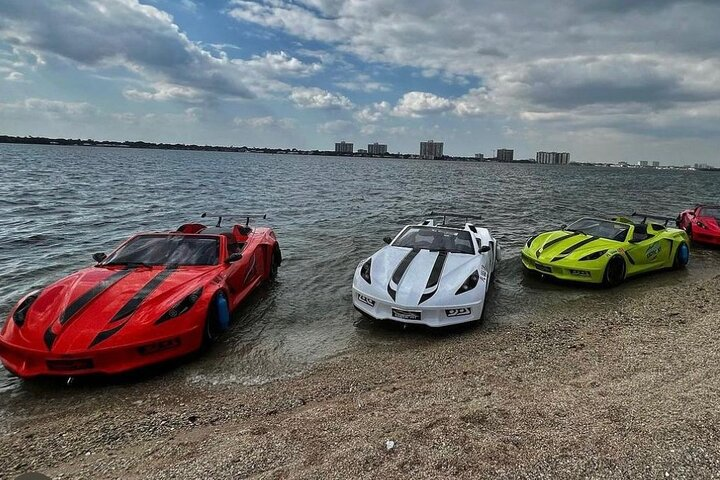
(626, 387)
(142, 145)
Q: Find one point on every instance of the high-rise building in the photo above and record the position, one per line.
(431, 150)
(344, 147)
(479, 156)
(643, 163)
(505, 155)
(655, 164)
(552, 158)
(377, 148)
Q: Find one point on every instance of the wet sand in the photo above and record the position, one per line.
(627, 386)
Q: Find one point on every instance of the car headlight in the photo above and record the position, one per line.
(594, 256)
(365, 270)
(21, 311)
(182, 306)
(530, 241)
(469, 284)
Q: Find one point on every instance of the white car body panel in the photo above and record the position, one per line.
(442, 305)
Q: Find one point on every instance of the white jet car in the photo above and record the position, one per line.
(434, 274)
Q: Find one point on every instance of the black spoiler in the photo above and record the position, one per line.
(445, 215)
(646, 216)
(234, 216)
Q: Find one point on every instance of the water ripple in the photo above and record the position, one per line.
(58, 205)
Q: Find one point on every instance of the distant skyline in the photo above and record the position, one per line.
(607, 80)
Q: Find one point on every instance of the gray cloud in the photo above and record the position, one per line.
(624, 6)
(618, 79)
(118, 32)
(536, 60)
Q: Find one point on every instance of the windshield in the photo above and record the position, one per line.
(710, 212)
(436, 239)
(166, 250)
(600, 228)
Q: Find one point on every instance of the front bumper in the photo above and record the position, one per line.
(430, 316)
(27, 363)
(593, 272)
(703, 236)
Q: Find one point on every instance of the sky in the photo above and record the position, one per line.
(606, 80)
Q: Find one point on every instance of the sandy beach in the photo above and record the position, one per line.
(623, 388)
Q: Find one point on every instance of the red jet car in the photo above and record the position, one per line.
(158, 296)
(702, 224)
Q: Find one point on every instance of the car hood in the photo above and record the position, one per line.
(104, 307)
(422, 277)
(561, 245)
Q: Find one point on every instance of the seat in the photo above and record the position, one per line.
(640, 233)
(191, 228)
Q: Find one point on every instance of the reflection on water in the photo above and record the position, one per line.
(58, 205)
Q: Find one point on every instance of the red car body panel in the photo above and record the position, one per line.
(111, 319)
(699, 227)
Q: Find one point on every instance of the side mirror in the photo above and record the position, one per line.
(99, 257)
(485, 249)
(387, 240)
(233, 257)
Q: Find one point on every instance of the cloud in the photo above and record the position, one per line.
(15, 77)
(49, 108)
(265, 122)
(613, 79)
(335, 127)
(373, 113)
(313, 97)
(280, 64)
(189, 116)
(477, 101)
(362, 83)
(293, 18)
(165, 92)
(418, 104)
(119, 33)
(521, 62)
(189, 5)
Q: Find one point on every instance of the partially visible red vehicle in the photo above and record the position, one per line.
(702, 224)
(158, 296)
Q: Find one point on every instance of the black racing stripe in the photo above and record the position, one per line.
(556, 240)
(49, 338)
(90, 295)
(572, 248)
(437, 269)
(629, 257)
(105, 334)
(435, 275)
(400, 271)
(402, 268)
(82, 302)
(132, 305)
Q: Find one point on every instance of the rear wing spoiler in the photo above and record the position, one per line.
(446, 215)
(234, 216)
(646, 216)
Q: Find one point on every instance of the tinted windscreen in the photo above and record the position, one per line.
(600, 228)
(710, 212)
(167, 250)
(436, 239)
